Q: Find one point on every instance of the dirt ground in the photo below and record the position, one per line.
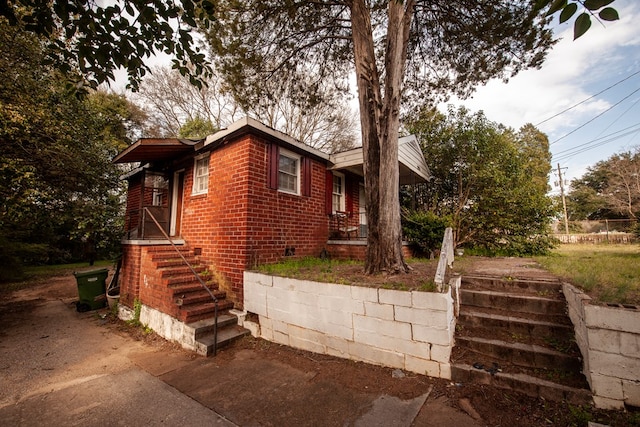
(38, 366)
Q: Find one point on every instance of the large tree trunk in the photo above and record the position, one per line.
(380, 123)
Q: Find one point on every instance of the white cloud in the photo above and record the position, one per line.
(571, 73)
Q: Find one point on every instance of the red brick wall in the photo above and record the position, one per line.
(130, 274)
(240, 222)
(141, 280)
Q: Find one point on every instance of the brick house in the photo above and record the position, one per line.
(244, 196)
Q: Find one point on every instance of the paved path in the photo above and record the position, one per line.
(60, 367)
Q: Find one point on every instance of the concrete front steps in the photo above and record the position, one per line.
(515, 334)
(205, 337)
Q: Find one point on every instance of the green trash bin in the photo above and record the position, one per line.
(91, 289)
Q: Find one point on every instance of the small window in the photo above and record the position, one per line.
(337, 198)
(160, 190)
(288, 172)
(201, 175)
(156, 189)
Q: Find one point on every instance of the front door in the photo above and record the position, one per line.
(176, 203)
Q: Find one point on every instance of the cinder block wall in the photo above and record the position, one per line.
(609, 339)
(401, 329)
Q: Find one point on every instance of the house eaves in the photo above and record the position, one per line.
(155, 150)
(248, 125)
(413, 167)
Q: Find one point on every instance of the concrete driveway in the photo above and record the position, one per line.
(60, 367)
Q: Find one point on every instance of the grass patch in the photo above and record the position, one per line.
(607, 273)
(310, 268)
(352, 273)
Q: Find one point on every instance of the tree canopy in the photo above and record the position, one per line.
(88, 41)
(489, 180)
(608, 190)
(58, 188)
(403, 53)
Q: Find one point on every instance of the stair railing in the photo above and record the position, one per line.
(197, 276)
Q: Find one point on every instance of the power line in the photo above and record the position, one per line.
(589, 121)
(600, 138)
(587, 99)
(576, 151)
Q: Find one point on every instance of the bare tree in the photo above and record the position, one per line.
(171, 101)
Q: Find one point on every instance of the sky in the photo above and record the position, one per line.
(600, 72)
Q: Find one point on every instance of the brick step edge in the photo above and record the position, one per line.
(515, 285)
(511, 322)
(195, 312)
(513, 302)
(180, 270)
(190, 287)
(226, 335)
(520, 354)
(528, 385)
(197, 297)
(179, 279)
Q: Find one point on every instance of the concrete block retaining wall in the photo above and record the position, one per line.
(609, 339)
(400, 329)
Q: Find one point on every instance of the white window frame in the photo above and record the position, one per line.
(198, 179)
(295, 175)
(341, 195)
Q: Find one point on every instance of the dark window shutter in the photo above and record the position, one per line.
(272, 166)
(329, 193)
(348, 194)
(306, 176)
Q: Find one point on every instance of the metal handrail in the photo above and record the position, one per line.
(204, 285)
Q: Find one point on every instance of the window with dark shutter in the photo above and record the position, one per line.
(272, 166)
(306, 176)
(328, 202)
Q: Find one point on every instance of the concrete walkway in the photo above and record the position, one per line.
(60, 367)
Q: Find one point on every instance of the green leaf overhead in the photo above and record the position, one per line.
(555, 6)
(568, 12)
(596, 4)
(582, 25)
(609, 14)
(97, 40)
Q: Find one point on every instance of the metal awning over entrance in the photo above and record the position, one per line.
(156, 149)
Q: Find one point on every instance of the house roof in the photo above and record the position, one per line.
(159, 149)
(248, 124)
(155, 149)
(413, 167)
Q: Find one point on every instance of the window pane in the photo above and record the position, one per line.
(288, 173)
(338, 194)
(201, 176)
(288, 165)
(287, 182)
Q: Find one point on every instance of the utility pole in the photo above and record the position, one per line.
(564, 202)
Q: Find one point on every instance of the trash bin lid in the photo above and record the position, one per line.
(90, 273)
